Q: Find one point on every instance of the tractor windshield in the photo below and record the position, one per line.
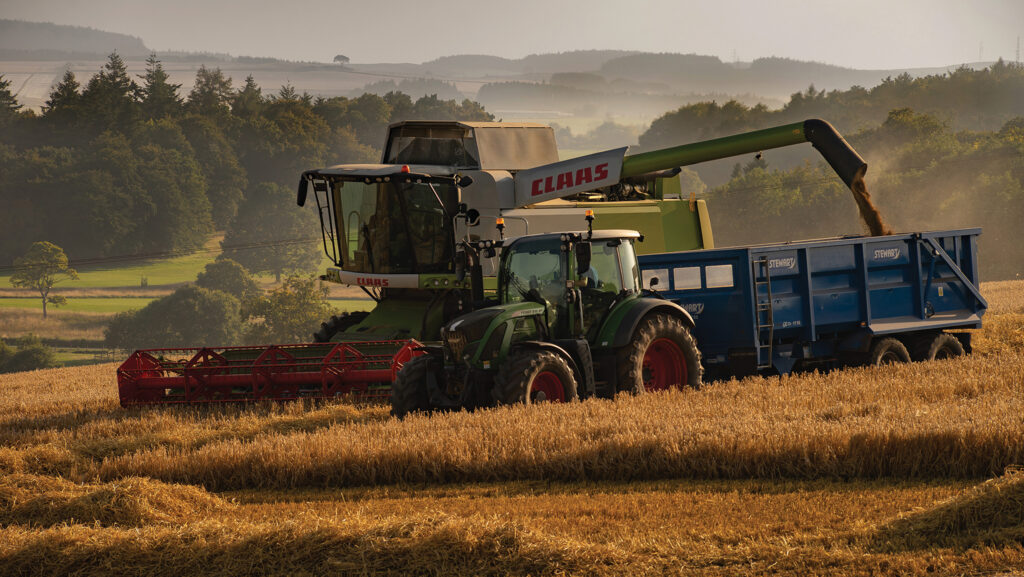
(532, 268)
(395, 227)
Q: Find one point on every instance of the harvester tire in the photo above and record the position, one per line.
(409, 392)
(534, 376)
(888, 351)
(661, 355)
(337, 324)
(938, 346)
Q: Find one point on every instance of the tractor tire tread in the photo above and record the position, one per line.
(409, 391)
(629, 359)
(512, 381)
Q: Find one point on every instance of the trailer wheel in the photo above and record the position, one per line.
(409, 391)
(939, 346)
(532, 376)
(661, 355)
(888, 351)
(337, 324)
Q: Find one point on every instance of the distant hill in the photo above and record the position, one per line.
(20, 40)
(545, 64)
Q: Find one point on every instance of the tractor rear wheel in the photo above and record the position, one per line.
(888, 351)
(409, 392)
(532, 376)
(661, 355)
(939, 346)
(338, 324)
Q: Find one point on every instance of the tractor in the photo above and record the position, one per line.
(570, 321)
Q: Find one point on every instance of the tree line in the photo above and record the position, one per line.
(116, 165)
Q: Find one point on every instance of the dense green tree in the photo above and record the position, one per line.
(63, 107)
(272, 235)
(111, 98)
(247, 103)
(9, 105)
(190, 316)
(211, 95)
(289, 313)
(31, 355)
(225, 177)
(181, 218)
(228, 276)
(42, 267)
(160, 98)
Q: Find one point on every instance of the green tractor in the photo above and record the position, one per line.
(570, 321)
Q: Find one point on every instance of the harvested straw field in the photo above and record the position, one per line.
(904, 470)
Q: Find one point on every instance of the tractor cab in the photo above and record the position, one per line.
(577, 276)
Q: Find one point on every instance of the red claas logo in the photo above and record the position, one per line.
(569, 179)
(371, 281)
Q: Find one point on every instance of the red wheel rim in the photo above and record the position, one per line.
(663, 366)
(550, 385)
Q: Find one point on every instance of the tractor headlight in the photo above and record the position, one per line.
(455, 342)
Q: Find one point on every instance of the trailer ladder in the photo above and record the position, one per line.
(764, 318)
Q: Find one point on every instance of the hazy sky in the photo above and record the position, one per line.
(855, 33)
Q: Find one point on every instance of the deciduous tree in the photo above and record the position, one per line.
(42, 267)
(289, 313)
(270, 234)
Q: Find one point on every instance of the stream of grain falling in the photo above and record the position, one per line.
(868, 211)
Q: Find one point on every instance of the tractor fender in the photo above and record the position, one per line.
(581, 377)
(622, 322)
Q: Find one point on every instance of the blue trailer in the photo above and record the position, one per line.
(849, 300)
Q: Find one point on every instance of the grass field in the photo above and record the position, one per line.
(79, 304)
(906, 470)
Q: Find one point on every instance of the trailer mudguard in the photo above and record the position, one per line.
(621, 323)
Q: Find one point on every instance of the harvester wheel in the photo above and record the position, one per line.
(888, 351)
(337, 324)
(939, 346)
(409, 392)
(532, 376)
(661, 355)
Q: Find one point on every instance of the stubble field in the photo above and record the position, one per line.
(902, 470)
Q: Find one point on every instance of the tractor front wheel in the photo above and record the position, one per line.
(661, 355)
(409, 392)
(532, 376)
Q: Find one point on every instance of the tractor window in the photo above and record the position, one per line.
(630, 268)
(605, 274)
(533, 264)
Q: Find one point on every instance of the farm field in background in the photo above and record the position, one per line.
(909, 470)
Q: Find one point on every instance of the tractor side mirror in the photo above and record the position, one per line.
(582, 257)
(303, 191)
(465, 181)
(472, 217)
(653, 282)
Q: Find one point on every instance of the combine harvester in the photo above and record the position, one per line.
(413, 232)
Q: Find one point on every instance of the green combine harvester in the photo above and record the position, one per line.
(409, 232)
